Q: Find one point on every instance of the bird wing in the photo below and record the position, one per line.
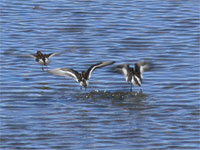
(137, 80)
(66, 72)
(123, 69)
(51, 55)
(98, 65)
(142, 66)
(32, 55)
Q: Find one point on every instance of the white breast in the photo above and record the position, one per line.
(40, 61)
(47, 61)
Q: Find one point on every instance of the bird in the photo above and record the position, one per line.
(41, 58)
(134, 75)
(84, 76)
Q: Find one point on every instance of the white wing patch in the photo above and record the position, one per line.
(133, 81)
(47, 61)
(135, 78)
(63, 72)
(138, 80)
(40, 61)
(91, 71)
(143, 66)
(141, 70)
(53, 55)
(98, 66)
(124, 70)
(31, 56)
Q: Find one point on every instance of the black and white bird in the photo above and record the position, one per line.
(41, 58)
(134, 76)
(84, 76)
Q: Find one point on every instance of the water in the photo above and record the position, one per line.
(43, 111)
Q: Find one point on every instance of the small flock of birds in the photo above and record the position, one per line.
(132, 75)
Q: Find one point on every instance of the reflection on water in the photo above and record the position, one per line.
(43, 111)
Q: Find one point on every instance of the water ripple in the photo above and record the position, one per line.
(43, 111)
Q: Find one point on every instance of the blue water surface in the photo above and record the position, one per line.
(40, 111)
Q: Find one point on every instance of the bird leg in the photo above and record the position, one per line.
(131, 90)
(47, 68)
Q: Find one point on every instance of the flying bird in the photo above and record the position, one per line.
(84, 76)
(134, 75)
(41, 58)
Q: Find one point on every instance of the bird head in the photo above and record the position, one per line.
(84, 75)
(39, 53)
(132, 70)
